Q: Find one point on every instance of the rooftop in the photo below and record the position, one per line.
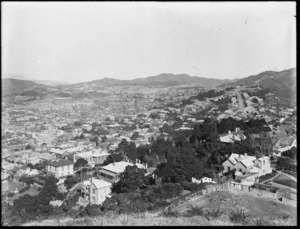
(61, 163)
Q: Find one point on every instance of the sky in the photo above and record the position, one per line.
(84, 41)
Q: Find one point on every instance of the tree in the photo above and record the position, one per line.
(28, 146)
(115, 157)
(70, 181)
(81, 136)
(135, 135)
(80, 163)
(131, 180)
(104, 139)
(254, 100)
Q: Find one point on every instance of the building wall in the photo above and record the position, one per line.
(227, 164)
(61, 171)
(99, 195)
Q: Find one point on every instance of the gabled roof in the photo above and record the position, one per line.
(100, 183)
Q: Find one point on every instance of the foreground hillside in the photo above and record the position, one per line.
(214, 209)
(155, 219)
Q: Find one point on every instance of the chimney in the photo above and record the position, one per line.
(114, 163)
(146, 165)
(245, 154)
(229, 132)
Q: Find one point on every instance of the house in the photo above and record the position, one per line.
(95, 191)
(112, 171)
(244, 164)
(59, 154)
(203, 180)
(92, 157)
(61, 168)
(231, 137)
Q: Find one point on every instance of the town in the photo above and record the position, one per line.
(92, 155)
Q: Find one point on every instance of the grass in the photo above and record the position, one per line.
(285, 180)
(267, 176)
(155, 219)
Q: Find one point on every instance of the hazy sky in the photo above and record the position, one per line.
(83, 41)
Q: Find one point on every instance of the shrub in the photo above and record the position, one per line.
(189, 185)
(261, 222)
(170, 213)
(171, 190)
(194, 211)
(238, 217)
(214, 213)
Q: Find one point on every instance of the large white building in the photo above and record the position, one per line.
(247, 164)
(61, 168)
(95, 191)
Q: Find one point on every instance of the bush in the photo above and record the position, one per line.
(171, 190)
(261, 222)
(170, 213)
(11, 194)
(194, 211)
(238, 217)
(189, 186)
(215, 213)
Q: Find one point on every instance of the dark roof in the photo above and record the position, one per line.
(61, 163)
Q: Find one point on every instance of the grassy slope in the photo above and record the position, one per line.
(151, 219)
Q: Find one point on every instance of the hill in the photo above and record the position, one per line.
(16, 86)
(161, 80)
(282, 83)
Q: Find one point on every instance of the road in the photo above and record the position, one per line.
(240, 101)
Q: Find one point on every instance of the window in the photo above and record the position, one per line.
(55, 169)
(228, 168)
(93, 199)
(241, 170)
(68, 173)
(62, 168)
(68, 167)
(94, 191)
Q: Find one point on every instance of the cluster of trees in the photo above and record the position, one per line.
(38, 166)
(223, 103)
(31, 207)
(203, 95)
(285, 163)
(292, 153)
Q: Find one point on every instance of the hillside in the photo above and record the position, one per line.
(161, 80)
(16, 86)
(282, 83)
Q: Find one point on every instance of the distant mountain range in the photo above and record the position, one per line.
(281, 83)
(161, 80)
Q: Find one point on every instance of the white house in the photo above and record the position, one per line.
(95, 191)
(247, 164)
(61, 168)
(92, 157)
(112, 171)
(231, 137)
